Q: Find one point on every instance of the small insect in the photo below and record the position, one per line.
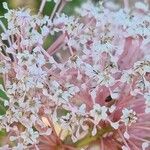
(108, 99)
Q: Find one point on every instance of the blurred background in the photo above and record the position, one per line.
(34, 5)
(69, 9)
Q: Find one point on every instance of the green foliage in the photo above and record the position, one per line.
(2, 133)
(2, 108)
(70, 8)
(3, 97)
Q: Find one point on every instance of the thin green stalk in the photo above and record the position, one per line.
(88, 139)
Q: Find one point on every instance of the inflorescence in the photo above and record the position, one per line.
(91, 85)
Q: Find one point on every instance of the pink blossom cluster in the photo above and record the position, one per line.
(90, 87)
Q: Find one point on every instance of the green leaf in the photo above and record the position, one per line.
(2, 108)
(3, 95)
(3, 133)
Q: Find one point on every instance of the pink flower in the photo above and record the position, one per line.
(90, 86)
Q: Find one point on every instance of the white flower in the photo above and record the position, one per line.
(145, 145)
(24, 58)
(94, 131)
(98, 113)
(126, 135)
(30, 136)
(105, 79)
(11, 89)
(89, 70)
(4, 67)
(69, 92)
(55, 85)
(82, 109)
(5, 35)
(115, 125)
(93, 95)
(19, 146)
(5, 6)
(142, 6)
(127, 76)
(122, 18)
(99, 48)
(72, 89)
(45, 30)
(115, 93)
(128, 117)
(142, 67)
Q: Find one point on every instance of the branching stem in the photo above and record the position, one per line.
(88, 139)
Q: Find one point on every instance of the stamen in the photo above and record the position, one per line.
(135, 147)
(143, 128)
(123, 139)
(102, 144)
(138, 138)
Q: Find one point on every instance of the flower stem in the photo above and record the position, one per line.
(88, 139)
(126, 5)
(42, 6)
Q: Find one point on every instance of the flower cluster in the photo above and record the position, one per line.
(91, 85)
